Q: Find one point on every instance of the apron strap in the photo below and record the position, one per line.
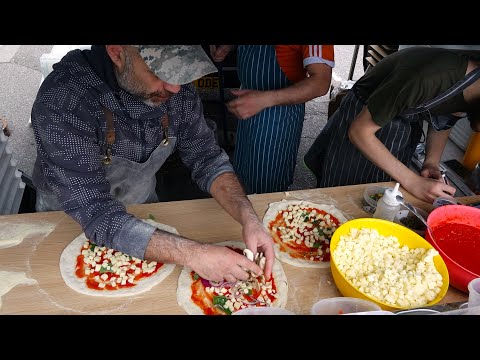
(470, 78)
(165, 121)
(165, 129)
(110, 137)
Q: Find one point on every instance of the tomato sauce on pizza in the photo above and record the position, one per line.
(224, 298)
(304, 232)
(107, 269)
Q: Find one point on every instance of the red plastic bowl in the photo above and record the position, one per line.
(460, 270)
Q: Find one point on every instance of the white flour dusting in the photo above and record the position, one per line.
(12, 234)
(8, 280)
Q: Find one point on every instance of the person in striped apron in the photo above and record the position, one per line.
(276, 81)
(373, 134)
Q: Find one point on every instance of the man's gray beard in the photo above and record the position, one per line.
(125, 81)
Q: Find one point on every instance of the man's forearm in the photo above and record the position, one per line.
(228, 192)
(435, 144)
(303, 91)
(169, 248)
(362, 135)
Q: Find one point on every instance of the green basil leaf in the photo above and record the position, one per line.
(104, 270)
(92, 247)
(227, 310)
(316, 245)
(219, 301)
(195, 276)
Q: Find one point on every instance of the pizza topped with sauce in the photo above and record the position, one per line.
(100, 271)
(200, 296)
(107, 269)
(302, 231)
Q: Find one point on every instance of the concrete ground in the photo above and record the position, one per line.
(20, 75)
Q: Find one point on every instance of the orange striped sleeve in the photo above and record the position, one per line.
(293, 59)
(313, 54)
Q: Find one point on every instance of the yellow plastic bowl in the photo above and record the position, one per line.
(405, 237)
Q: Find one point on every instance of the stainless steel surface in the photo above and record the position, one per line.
(457, 181)
(417, 312)
(452, 177)
(439, 308)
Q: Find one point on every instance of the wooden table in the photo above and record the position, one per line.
(38, 255)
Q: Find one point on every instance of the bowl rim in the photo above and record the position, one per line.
(346, 299)
(335, 239)
(438, 247)
(370, 188)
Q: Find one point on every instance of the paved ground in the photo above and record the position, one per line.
(21, 75)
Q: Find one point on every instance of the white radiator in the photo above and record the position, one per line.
(11, 184)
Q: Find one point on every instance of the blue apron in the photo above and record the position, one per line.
(267, 143)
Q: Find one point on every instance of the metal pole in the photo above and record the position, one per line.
(354, 61)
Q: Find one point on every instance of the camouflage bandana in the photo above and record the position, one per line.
(177, 64)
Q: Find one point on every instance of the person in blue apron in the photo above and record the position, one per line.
(105, 120)
(373, 134)
(276, 81)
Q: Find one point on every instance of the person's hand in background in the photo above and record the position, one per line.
(219, 52)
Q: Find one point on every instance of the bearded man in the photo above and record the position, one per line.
(105, 120)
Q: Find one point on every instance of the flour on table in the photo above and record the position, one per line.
(9, 279)
(12, 234)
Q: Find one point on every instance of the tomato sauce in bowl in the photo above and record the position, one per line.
(462, 244)
(456, 232)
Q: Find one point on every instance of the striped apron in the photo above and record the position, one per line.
(267, 143)
(335, 161)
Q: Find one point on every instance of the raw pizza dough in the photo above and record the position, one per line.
(271, 215)
(184, 290)
(68, 261)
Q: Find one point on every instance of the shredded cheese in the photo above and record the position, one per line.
(379, 267)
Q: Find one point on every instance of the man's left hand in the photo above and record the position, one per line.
(431, 171)
(247, 103)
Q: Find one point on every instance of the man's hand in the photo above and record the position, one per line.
(257, 240)
(431, 171)
(429, 189)
(218, 263)
(226, 189)
(218, 53)
(247, 103)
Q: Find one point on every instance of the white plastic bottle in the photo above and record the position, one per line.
(387, 205)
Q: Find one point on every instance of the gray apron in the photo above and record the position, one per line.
(335, 161)
(130, 182)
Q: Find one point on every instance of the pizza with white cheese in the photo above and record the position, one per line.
(198, 296)
(302, 230)
(99, 271)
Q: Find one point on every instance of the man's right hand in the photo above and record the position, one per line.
(428, 190)
(218, 263)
